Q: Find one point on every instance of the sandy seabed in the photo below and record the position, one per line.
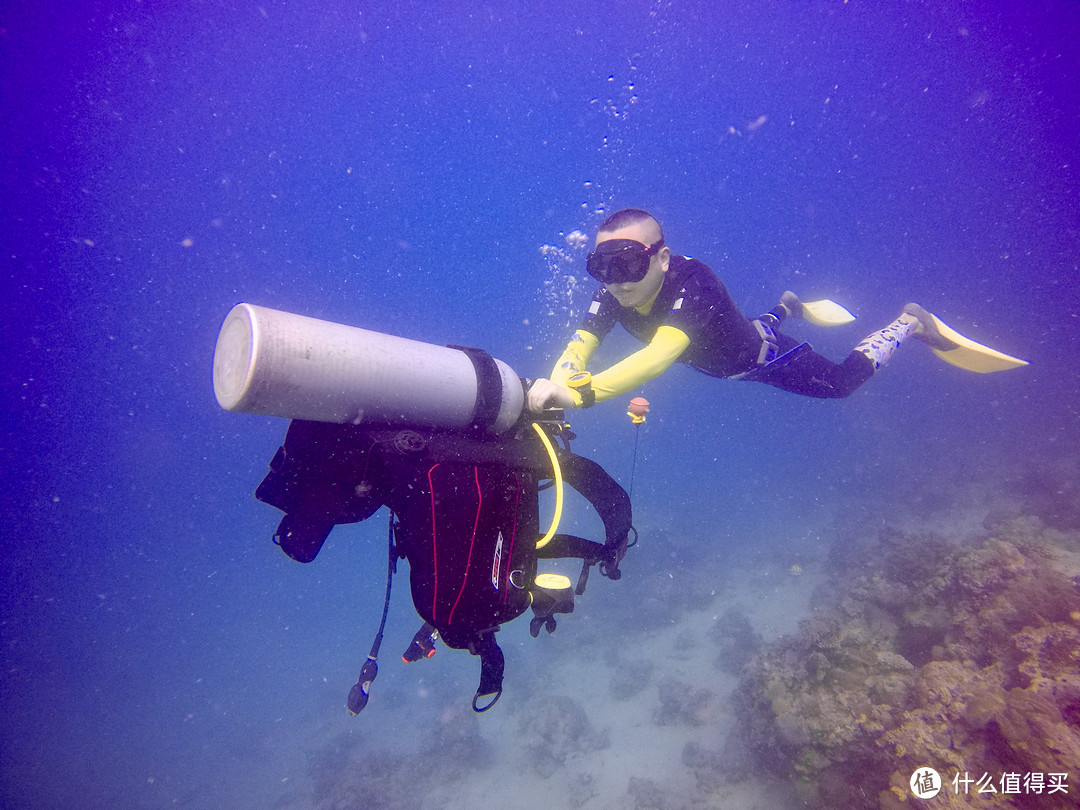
(607, 730)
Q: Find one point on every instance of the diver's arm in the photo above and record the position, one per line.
(643, 365)
(544, 394)
(575, 357)
(555, 393)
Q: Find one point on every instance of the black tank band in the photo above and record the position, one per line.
(489, 387)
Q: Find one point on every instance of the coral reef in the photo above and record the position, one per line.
(684, 704)
(711, 769)
(582, 788)
(737, 640)
(630, 678)
(663, 596)
(963, 660)
(557, 729)
(346, 775)
(646, 794)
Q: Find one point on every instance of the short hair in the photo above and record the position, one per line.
(628, 216)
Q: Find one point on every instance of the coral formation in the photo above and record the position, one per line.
(663, 596)
(711, 769)
(737, 640)
(922, 651)
(345, 775)
(646, 794)
(963, 660)
(557, 729)
(629, 678)
(684, 704)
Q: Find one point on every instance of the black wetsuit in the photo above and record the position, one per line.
(723, 341)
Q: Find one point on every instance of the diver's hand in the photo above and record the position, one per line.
(544, 394)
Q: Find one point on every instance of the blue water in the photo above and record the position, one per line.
(400, 166)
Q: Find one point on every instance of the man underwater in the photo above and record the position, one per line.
(680, 309)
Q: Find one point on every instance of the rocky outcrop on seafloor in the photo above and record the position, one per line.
(684, 704)
(736, 639)
(347, 776)
(556, 730)
(966, 660)
(662, 597)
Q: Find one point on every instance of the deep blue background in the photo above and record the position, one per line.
(399, 166)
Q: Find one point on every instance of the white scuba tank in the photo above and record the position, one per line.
(276, 363)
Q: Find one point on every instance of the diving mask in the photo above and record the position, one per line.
(621, 261)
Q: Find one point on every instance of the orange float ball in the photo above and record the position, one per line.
(639, 406)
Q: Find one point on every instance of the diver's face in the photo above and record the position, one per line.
(639, 293)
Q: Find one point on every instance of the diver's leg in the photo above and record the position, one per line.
(914, 322)
(880, 346)
(927, 330)
(813, 375)
(871, 353)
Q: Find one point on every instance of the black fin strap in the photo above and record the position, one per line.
(491, 671)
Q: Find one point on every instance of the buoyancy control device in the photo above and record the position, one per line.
(464, 510)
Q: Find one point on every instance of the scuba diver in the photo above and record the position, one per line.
(440, 436)
(682, 312)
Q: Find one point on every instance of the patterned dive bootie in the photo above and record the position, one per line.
(881, 345)
(927, 329)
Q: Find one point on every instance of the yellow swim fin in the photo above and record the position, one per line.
(821, 313)
(970, 355)
(825, 313)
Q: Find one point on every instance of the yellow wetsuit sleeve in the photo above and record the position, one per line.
(575, 358)
(643, 365)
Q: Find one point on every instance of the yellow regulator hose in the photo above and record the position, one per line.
(543, 541)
